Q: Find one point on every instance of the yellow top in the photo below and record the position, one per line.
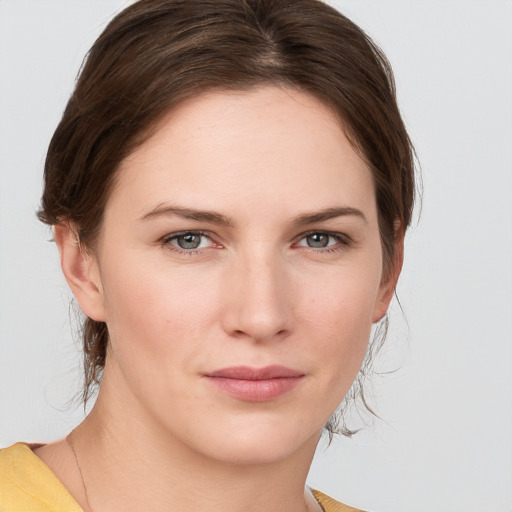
(27, 484)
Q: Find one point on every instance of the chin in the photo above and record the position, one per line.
(259, 443)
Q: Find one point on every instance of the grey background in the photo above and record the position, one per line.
(444, 441)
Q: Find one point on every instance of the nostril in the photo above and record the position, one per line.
(251, 333)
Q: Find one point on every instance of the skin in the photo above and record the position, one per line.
(259, 290)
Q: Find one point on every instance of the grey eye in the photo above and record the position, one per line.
(189, 241)
(317, 240)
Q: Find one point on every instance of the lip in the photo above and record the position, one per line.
(255, 384)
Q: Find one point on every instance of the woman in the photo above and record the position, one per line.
(229, 189)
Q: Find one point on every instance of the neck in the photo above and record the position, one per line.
(135, 465)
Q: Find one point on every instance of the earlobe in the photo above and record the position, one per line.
(388, 284)
(81, 271)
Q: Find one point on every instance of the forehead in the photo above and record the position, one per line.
(255, 144)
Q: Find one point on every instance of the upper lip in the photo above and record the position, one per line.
(251, 373)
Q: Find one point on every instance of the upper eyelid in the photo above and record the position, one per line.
(343, 237)
(208, 234)
(335, 234)
(166, 239)
(184, 232)
(166, 242)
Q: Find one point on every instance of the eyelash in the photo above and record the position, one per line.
(166, 242)
(342, 242)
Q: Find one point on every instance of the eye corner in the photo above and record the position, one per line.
(323, 241)
(189, 242)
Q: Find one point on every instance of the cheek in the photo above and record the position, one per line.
(163, 321)
(340, 320)
(154, 314)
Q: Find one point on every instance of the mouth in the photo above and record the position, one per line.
(255, 384)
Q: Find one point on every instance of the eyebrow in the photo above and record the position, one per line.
(327, 214)
(222, 220)
(188, 213)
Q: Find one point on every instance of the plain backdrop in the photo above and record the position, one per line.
(445, 439)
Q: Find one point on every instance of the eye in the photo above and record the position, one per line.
(322, 240)
(188, 241)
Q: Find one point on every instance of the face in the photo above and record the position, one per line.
(239, 273)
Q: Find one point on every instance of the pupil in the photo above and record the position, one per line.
(318, 240)
(189, 241)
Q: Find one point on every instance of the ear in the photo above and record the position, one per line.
(388, 283)
(81, 271)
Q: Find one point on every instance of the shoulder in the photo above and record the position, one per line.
(331, 505)
(26, 483)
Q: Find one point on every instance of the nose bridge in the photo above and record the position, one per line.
(260, 303)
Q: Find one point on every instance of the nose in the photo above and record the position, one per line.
(259, 298)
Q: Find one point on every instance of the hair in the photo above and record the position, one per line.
(157, 53)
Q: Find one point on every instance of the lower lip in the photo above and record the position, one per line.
(255, 390)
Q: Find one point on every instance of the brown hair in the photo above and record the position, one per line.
(156, 53)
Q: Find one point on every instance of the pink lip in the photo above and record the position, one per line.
(255, 384)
